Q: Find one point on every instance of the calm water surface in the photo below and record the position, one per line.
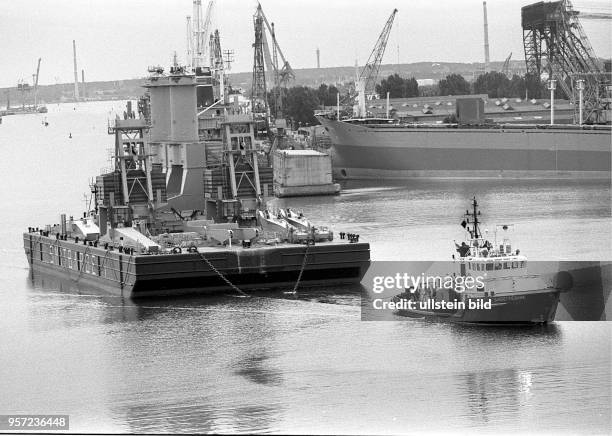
(279, 363)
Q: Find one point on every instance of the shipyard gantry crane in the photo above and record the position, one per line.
(555, 43)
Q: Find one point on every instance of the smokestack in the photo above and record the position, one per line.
(318, 58)
(83, 83)
(486, 37)
(76, 74)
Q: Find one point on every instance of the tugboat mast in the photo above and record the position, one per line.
(475, 232)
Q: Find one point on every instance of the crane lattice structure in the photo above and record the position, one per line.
(369, 74)
(282, 74)
(555, 43)
(259, 103)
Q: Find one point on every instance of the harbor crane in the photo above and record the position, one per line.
(282, 74)
(36, 84)
(365, 83)
(555, 43)
(217, 64)
(197, 33)
(506, 66)
(369, 74)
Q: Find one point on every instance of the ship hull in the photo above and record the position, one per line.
(395, 152)
(537, 307)
(138, 275)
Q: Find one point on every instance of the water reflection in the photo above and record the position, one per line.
(254, 369)
(495, 395)
(203, 417)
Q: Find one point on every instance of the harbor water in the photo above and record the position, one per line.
(305, 363)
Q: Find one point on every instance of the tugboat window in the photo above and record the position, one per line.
(489, 267)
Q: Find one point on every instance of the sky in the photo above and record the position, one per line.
(119, 39)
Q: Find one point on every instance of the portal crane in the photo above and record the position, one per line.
(369, 74)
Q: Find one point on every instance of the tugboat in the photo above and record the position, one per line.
(492, 285)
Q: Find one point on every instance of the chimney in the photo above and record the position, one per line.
(76, 74)
(83, 83)
(486, 37)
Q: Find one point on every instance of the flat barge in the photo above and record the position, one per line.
(135, 275)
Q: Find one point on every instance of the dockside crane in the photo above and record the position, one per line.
(369, 74)
(217, 64)
(506, 66)
(365, 83)
(282, 74)
(259, 102)
(197, 33)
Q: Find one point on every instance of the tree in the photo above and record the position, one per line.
(454, 84)
(327, 95)
(397, 87)
(300, 104)
(494, 84)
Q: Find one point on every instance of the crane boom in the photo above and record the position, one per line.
(286, 72)
(36, 84)
(369, 74)
(200, 26)
(506, 66)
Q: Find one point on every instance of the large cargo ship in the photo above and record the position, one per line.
(380, 148)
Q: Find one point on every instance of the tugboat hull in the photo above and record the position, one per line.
(534, 307)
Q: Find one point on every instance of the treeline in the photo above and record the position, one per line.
(494, 84)
(300, 102)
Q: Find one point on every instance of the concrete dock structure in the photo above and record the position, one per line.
(303, 173)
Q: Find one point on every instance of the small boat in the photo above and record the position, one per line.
(491, 286)
(299, 221)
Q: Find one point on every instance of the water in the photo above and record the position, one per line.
(278, 363)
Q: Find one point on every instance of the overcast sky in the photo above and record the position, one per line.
(118, 39)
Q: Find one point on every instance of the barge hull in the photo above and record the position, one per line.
(139, 275)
